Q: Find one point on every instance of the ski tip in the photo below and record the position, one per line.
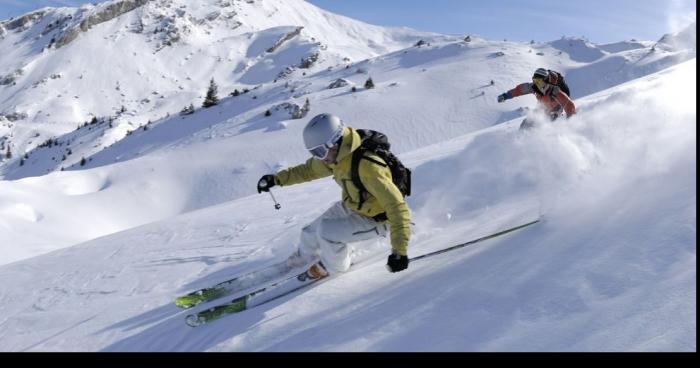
(186, 302)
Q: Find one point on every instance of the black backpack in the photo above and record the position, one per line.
(561, 83)
(378, 144)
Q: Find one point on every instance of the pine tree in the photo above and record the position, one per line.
(268, 113)
(82, 161)
(8, 154)
(212, 99)
(369, 84)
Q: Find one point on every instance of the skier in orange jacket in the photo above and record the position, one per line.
(551, 92)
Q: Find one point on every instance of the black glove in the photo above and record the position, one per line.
(265, 183)
(502, 97)
(396, 263)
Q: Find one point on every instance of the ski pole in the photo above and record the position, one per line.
(503, 232)
(263, 183)
(277, 205)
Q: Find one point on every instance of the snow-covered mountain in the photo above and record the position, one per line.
(123, 64)
(94, 255)
(134, 61)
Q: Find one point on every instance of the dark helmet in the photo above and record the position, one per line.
(541, 73)
(541, 80)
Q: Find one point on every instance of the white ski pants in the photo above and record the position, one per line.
(329, 237)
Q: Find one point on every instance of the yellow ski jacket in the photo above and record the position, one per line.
(383, 197)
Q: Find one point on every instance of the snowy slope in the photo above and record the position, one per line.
(424, 95)
(166, 203)
(611, 268)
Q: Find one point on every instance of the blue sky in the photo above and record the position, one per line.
(601, 21)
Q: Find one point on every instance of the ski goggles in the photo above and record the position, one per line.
(321, 152)
(540, 83)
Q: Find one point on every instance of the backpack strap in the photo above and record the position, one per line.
(358, 155)
(355, 174)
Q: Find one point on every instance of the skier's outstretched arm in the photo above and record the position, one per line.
(311, 170)
(520, 90)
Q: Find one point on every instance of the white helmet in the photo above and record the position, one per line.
(322, 133)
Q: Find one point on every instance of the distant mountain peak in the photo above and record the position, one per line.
(684, 39)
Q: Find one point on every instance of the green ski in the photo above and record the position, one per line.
(234, 285)
(252, 299)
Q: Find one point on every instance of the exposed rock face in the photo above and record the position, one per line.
(293, 110)
(340, 82)
(110, 12)
(14, 116)
(10, 78)
(284, 39)
(23, 20)
(309, 61)
(285, 72)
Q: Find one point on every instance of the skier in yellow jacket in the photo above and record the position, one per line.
(326, 241)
